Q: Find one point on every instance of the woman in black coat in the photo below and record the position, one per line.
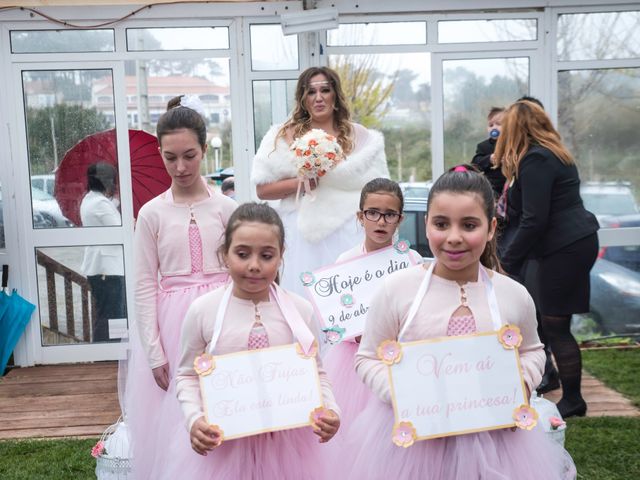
(548, 222)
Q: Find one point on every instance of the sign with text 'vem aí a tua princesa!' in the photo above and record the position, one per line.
(341, 293)
(257, 391)
(456, 385)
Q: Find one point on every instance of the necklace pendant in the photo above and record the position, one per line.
(463, 297)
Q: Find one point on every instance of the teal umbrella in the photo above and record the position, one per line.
(15, 313)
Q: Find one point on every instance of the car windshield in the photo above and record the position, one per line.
(40, 195)
(609, 204)
(416, 192)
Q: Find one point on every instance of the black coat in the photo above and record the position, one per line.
(544, 209)
(482, 160)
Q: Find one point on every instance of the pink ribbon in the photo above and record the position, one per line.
(300, 329)
(307, 189)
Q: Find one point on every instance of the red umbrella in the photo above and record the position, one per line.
(148, 175)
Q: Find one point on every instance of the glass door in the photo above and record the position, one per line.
(472, 84)
(75, 207)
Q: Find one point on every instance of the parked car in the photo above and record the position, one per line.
(615, 297)
(627, 255)
(605, 199)
(46, 183)
(412, 227)
(40, 220)
(47, 211)
(415, 190)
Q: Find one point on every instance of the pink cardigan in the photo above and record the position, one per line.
(388, 312)
(161, 247)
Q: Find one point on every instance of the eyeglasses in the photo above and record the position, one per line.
(389, 217)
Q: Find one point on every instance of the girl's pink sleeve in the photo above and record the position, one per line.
(147, 267)
(532, 357)
(382, 324)
(192, 344)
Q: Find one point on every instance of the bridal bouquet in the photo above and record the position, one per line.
(315, 153)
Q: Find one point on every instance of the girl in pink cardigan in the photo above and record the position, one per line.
(251, 313)
(457, 294)
(176, 238)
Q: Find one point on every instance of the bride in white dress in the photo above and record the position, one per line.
(318, 227)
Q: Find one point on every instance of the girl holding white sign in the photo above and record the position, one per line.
(460, 293)
(253, 312)
(380, 214)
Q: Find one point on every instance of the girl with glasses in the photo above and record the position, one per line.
(380, 214)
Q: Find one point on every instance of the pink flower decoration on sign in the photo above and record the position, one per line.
(307, 278)
(204, 364)
(402, 246)
(313, 351)
(334, 334)
(556, 423)
(404, 434)
(316, 413)
(389, 352)
(509, 336)
(525, 417)
(98, 449)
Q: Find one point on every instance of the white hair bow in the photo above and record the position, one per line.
(194, 103)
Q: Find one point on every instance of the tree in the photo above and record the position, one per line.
(366, 89)
(67, 124)
(598, 109)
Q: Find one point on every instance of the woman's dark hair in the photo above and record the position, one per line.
(102, 177)
(528, 98)
(178, 117)
(251, 212)
(381, 185)
(465, 179)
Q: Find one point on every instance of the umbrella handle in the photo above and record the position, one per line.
(5, 277)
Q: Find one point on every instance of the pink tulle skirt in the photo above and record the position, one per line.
(286, 455)
(494, 455)
(352, 396)
(150, 411)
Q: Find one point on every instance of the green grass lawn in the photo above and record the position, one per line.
(605, 448)
(68, 459)
(618, 369)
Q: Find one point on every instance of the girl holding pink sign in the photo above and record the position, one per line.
(460, 293)
(253, 312)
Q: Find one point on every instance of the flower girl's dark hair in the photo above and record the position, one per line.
(381, 185)
(178, 117)
(465, 179)
(251, 212)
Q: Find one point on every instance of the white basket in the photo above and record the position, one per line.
(558, 435)
(546, 410)
(115, 462)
